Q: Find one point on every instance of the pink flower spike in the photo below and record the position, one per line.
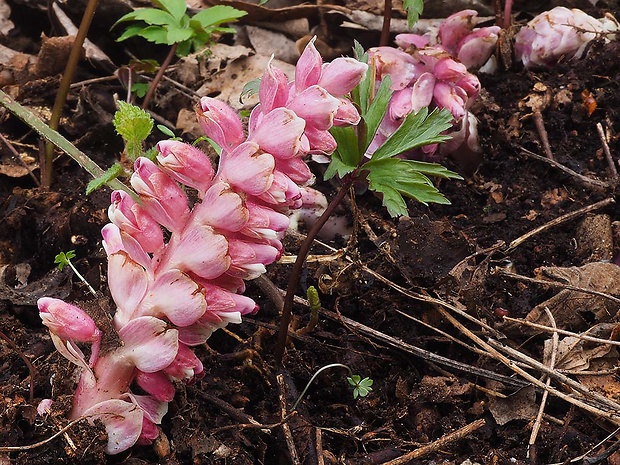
(342, 75)
(130, 217)
(156, 384)
(247, 168)
(221, 208)
(279, 133)
(185, 164)
(145, 336)
(161, 196)
(274, 88)
(122, 421)
(220, 123)
(308, 69)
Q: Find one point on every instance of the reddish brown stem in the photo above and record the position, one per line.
(298, 268)
(159, 76)
(387, 19)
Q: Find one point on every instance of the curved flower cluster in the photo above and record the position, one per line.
(173, 290)
(559, 33)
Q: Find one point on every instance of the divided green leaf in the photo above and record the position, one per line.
(414, 9)
(134, 125)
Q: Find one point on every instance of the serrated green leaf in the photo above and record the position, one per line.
(131, 31)
(376, 110)
(337, 167)
(177, 35)
(176, 8)
(151, 16)
(417, 129)
(348, 147)
(396, 178)
(216, 15)
(155, 34)
(414, 9)
(111, 173)
(134, 125)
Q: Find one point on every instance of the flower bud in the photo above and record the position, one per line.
(130, 217)
(186, 164)
(220, 123)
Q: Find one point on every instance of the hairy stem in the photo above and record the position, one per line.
(298, 267)
(159, 76)
(63, 90)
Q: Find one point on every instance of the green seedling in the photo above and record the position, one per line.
(169, 24)
(64, 259)
(361, 387)
(134, 125)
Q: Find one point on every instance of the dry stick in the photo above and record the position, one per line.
(493, 352)
(542, 133)
(290, 444)
(570, 287)
(158, 76)
(592, 449)
(608, 157)
(320, 460)
(543, 401)
(559, 220)
(563, 332)
(594, 184)
(233, 412)
(439, 443)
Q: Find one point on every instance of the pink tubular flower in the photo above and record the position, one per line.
(186, 164)
(130, 217)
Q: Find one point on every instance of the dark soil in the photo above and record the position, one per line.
(452, 253)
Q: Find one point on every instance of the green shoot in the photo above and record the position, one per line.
(64, 259)
(134, 125)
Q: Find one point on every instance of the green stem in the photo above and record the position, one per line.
(59, 141)
(326, 367)
(158, 76)
(63, 90)
(298, 268)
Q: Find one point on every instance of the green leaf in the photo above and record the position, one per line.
(111, 173)
(151, 16)
(166, 131)
(348, 147)
(337, 167)
(250, 89)
(140, 88)
(396, 178)
(216, 15)
(131, 31)
(155, 34)
(376, 110)
(176, 8)
(354, 380)
(417, 129)
(177, 34)
(414, 9)
(63, 258)
(134, 125)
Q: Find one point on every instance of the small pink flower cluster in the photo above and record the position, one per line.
(427, 74)
(173, 290)
(559, 33)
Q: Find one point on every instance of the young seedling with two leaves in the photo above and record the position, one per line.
(170, 24)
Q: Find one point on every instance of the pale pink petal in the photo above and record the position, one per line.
(316, 106)
(320, 141)
(279, 133)
(476, 48)
(247, 168)
(222, 208)
(145, 336)
(156, 384)
(67, 321)
(405, 41)
(199, 250)
(456, 27)
(347, 114)
(308, 69)
(128, 282)
(122, 421)
(131, 218)
(422, 92)
(274, 88)
(185, 164)
(342, 75)
(185, 365)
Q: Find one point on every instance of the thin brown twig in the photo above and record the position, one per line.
(559, 220)
(590, 183)
(545, 394)
(439, 443)
(31, 369)
(19, 159)
(543, 282)
(542, 133)
(290, 444)
(610, 160)
(41, 443)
